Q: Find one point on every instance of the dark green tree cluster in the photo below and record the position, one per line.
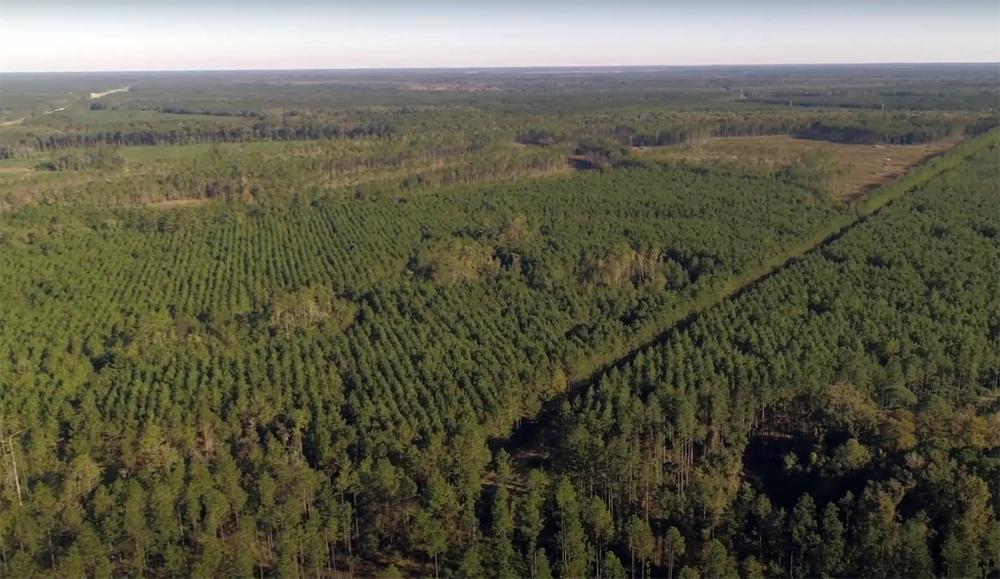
(259, 131)
(98, 158)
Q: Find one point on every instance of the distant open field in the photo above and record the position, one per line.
(864, 166)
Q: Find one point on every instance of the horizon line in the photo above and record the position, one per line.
(501, 67)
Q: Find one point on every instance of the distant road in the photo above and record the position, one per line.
(97, 95)
(13, 122)
(24, 118)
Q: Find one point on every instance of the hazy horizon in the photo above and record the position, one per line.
(182, 35)
(604, 68)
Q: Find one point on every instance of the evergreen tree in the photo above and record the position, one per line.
(831, 542)
(716, 562)
(805, 535)
(573, 559)
(471, 563)
(531, 518)
(641, 544)
(504, 558)
(602, 529)
(673, 549)
(612, 568)
(914, 555)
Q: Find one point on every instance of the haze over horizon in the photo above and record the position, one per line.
(47, 35)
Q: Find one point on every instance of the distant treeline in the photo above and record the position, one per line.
(891, 131)
(631, 136)
(893, 134)
(172, 110)
(896, 100)
(184, 111)
(686, 134)
(261, 131)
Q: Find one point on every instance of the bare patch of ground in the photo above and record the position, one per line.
(178, 203)
(13, 122)
(864, 166)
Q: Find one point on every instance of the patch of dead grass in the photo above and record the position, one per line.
(866, 166)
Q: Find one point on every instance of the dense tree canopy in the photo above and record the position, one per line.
(422, 344)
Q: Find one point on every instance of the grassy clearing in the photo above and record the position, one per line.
(864, 166)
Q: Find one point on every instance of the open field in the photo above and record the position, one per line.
(859, 167)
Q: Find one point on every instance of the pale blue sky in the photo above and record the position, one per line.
(42, 35)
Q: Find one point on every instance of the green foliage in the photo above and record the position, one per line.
(458, 260)
(100, 158)
(612, 568)
(639, 539)
(304, 376)
(808, 365)
(716, 561)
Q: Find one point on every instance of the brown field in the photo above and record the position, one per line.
(864, 166)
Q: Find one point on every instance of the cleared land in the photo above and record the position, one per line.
(11, 123)
(862, 166)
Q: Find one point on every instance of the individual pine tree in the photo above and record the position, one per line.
(958, 560)
(601, 526)
(135, 527)
(429, 536)
(832, 544)
(503, 556)
(914, 551)
(543, 569)
(612, 568)
(716, 562)
(573, 548)
(471, 563)
(805, 535)
(673, 549)
(640, 541)
(530, 515)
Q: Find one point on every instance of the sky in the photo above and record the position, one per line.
(101, 35)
